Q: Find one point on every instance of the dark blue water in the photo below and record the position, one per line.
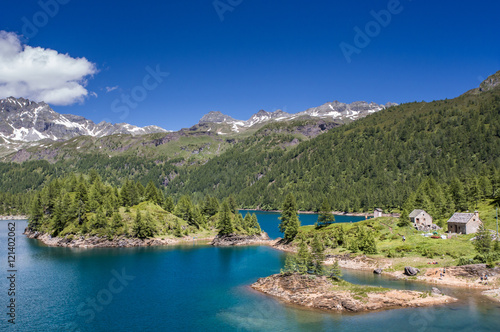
(194, 288)
(269, 220)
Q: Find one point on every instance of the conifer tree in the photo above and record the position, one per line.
(116, 223)
(150, 230)
(247, 222)
(255, 226)
(326, 216)
(232, 204)
(318, 254)
(304, 258)
(185, 210)
(169, 205)
(58, 222)
(140, 228)
(334, 272)
(151, 193)
(404, 219)
(178, 229)
(140, 192)
(36, 213)
(239, 223)
(482, 244)
(289, 221)
(225, 223)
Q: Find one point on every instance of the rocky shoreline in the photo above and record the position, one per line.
(241, 240)
(466, 276)
(493, 294)
(320, 293)
(80, 241)
(103, 242)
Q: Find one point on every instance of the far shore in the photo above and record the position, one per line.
(337, 213)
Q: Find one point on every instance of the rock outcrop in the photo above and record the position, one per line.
(96, 241)
(319, 292)
(239, 240)
(411, 271)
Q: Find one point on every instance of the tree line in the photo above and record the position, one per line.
(85, 204)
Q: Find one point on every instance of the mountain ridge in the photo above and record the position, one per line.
(28, 121)
(333, 111)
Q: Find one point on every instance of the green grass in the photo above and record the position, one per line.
(359, 292)
(416, 251)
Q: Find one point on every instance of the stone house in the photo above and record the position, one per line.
(420, 218)
(464, 223)
(377, 213)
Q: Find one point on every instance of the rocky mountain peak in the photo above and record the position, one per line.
(216, 117)
(491, 82)
(28, 121)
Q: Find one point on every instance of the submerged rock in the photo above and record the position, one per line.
(436, 290)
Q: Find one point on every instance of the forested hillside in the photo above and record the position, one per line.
(377, 161)
(446, 153)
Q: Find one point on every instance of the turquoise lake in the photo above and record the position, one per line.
(196, 288)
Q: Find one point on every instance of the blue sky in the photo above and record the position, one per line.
(263, 54)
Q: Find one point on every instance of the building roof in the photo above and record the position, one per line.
(415, 213)
(461, 218)
(379, 210)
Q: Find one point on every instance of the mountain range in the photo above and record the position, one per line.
(332, 111)
(28, 121)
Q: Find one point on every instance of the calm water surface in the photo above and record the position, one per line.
(195, 288)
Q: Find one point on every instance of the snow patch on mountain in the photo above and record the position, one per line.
(23, 120)
(333, 110)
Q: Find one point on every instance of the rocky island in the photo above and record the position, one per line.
(321, 293)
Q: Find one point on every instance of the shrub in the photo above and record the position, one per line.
(404, 248)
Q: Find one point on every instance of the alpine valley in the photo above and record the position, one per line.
(357, 156)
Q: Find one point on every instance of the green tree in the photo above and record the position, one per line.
(404, 219)
(178, 229)
(116, 223)
(304, 258)
(254, 225)
(325, 216)
(239, 223)
(318, 254)
(482, 244)
(334, 272)
(58, 222)
(232, 204)
(210, 206)
(169, 205)
(36, 213)
(150, 230)
(140, 228)
(225, 223)
(186, 211)
(289, 221)
(153, 194)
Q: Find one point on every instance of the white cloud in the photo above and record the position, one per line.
(111, 88)
(41, 74)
